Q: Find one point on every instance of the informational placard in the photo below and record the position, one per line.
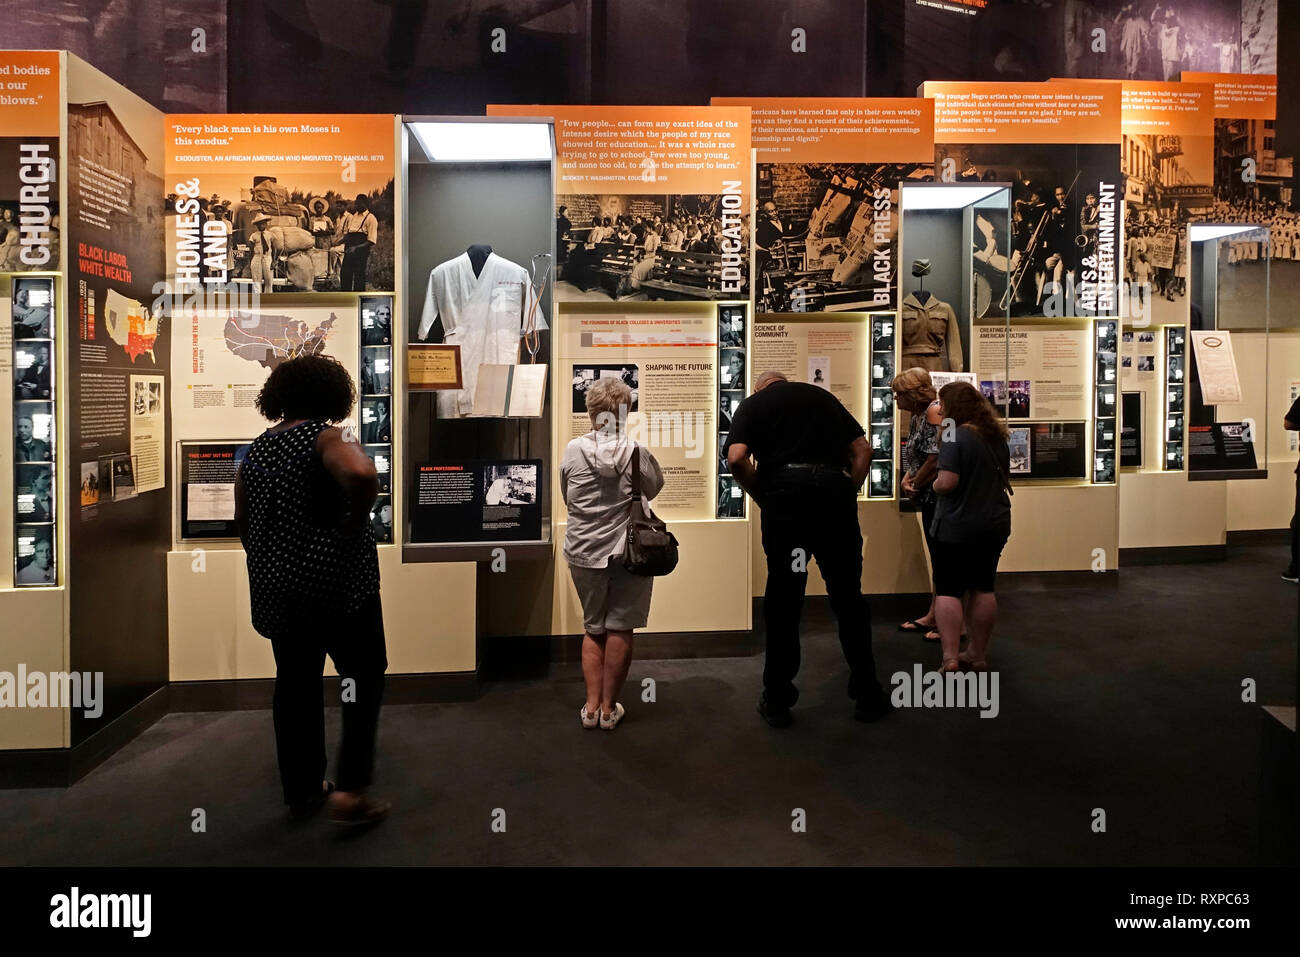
(1220, 447)
(149, 431)
(671, 365)
(826, 198)
(208, 473)
(831, 354)
(1034, 372)
(29, 155)
(1049, 450)
(1216, 367)
(430, 367)
(284, 202)
(477, 501)
(1059, 144)
(650, 200)
(221, 359)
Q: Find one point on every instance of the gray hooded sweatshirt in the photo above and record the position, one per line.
(596, 483)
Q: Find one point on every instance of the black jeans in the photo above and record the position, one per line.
(823, 526)
(352, 272)
(355, 643)
(1295, 527)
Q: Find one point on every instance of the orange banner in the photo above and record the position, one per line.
(1240, 96)
(29, 93)
(839, 129)
(682, 150)
(1065, 112)
(304, 174)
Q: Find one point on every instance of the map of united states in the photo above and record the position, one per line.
(270, 340)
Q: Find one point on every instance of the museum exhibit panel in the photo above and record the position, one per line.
(480, 240)
(475, 275)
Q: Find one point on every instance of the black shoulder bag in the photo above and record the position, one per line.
(651, 549)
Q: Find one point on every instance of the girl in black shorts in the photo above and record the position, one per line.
(972, 521)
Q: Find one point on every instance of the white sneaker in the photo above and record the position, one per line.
(589, 720)
(608, 722)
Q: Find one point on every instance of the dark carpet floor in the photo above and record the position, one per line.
(1123, 697)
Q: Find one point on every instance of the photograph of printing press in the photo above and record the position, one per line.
(826, 233)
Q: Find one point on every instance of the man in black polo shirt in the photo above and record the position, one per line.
(1292, 573)
(812, 458)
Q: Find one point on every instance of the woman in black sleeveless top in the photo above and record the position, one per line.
(303, 499)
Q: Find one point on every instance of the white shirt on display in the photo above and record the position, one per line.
(482, 314)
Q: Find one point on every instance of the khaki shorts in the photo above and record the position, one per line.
(612, 598)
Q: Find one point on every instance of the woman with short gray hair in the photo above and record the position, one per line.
(596, 483)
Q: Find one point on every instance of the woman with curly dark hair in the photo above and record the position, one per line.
(303, 498)
(972, 521)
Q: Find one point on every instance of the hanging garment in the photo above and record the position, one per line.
(482, 314)
(931, 338)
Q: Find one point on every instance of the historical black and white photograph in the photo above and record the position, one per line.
(376, 370)
(376, 420)
(376, 321)
(731, 368)
(826, 235)
(382, 456)
(1168, 180)
(731, 498)
(33, 369)
(15, 257)
(121, 473)
(880, 479)
(510, 485)
(882, 405)
(34, 493)
(1033, 40)
(35, 555)
(33, 432)
(381, 519)
(640, 247)
(1055, 257)
(146, 398)
(585, 375)
(731, 328)
(33, 303)
(728, 401)
(399, 56)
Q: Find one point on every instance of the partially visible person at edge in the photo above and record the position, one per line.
(803, 457)
(914, 393)
(972, 522)
(303, 497)
(1292, 574)
(596, 483)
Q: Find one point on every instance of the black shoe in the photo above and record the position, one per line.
(1290, 576)
(776, 717)
(305, 810)
(872, 709)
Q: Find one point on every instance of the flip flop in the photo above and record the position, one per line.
(914, 627)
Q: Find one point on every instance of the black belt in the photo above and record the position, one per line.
(807, 475)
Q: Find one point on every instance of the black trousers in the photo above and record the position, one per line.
(355, 643)
(352, 271)
(1295, 527)
(798, 526)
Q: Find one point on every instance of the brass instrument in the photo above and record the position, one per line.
(1027, 260)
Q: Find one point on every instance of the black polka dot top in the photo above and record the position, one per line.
(298, 565)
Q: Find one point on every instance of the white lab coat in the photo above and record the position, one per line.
(482, 314)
